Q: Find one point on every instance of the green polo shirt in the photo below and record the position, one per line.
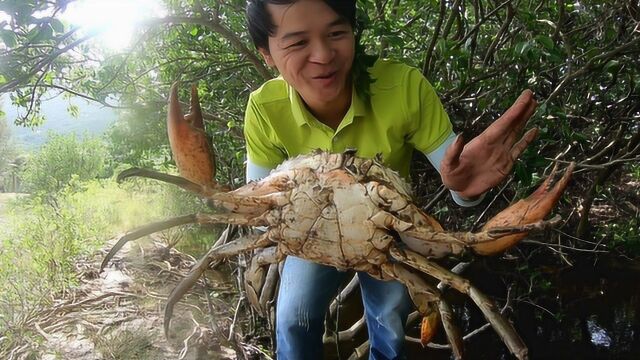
(404, 113)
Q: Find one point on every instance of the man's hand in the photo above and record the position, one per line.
(487, 159)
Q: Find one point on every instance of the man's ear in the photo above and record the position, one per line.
(266, 55)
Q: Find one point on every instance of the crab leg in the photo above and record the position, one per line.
(276, 182)
(431, 243)
(241, 202)
(436, 243)
(500, 233)
(230, 249)
(502, 326)
(235, 219)
(260, 283)
(423, 295)
(251, 204)
(146, 230)
(170, 179)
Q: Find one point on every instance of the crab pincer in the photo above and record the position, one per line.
(189, 142)
(530, 210)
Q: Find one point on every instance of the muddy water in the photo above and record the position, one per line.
(586, 312)
(597, 315)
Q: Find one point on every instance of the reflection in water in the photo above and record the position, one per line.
(599, 335)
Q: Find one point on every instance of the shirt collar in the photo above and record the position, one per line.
(302, 115)
(358, 105)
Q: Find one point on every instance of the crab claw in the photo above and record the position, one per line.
(190, 145)
(532, 209)
(429, 327)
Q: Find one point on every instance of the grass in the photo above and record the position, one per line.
(43, 237)
(128, 344)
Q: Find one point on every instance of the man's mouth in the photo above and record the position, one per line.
(327, 75)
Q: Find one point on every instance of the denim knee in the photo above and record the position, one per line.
(305, 291)
(387, 306)
(299, 333)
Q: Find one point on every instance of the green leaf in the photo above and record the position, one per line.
(395, 40)
(48, 78)
(441, 45)
(522, 48)
(9, 38)
(522, 174)
(612, 66)
(23, 14)
(42, 33)
(73, 110)
(194, 31)
(545, 41)
(57, 25)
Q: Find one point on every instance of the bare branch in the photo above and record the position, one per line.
(222, 30)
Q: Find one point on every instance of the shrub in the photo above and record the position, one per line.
(61, 159)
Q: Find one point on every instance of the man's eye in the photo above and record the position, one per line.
(337, 34)
(297, 44)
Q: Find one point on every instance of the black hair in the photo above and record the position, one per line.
(261, 27)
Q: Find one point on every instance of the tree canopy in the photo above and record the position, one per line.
(581, 59)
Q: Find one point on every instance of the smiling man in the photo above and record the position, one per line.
(314, 105)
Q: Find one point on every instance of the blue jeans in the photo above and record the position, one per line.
(306, 289)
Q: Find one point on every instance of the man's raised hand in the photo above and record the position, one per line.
(473, 168)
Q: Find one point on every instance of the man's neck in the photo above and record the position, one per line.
(331, 113)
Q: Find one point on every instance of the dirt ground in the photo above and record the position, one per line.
(117, 314)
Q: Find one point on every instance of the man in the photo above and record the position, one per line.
(315, 104)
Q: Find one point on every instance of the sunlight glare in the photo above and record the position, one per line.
(114, 20)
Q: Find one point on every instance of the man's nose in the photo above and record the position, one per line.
(321, 52)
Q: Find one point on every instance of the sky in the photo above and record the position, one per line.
(115, 20)
(92, 119)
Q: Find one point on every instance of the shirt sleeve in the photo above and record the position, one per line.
(262, 145)
(435, 158)
(430, 124)
(256, 172)
(432, 133)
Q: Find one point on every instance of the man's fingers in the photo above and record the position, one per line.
(514, 119)
(519, 124)
(520, 107)
(452, 154)
(529, 110)
(519, 147)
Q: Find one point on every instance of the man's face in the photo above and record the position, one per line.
(313, 50)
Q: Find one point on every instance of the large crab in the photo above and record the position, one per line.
(342, 210)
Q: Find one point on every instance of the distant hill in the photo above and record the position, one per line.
(93, 119)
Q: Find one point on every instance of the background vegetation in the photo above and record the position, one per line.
(581, 59)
